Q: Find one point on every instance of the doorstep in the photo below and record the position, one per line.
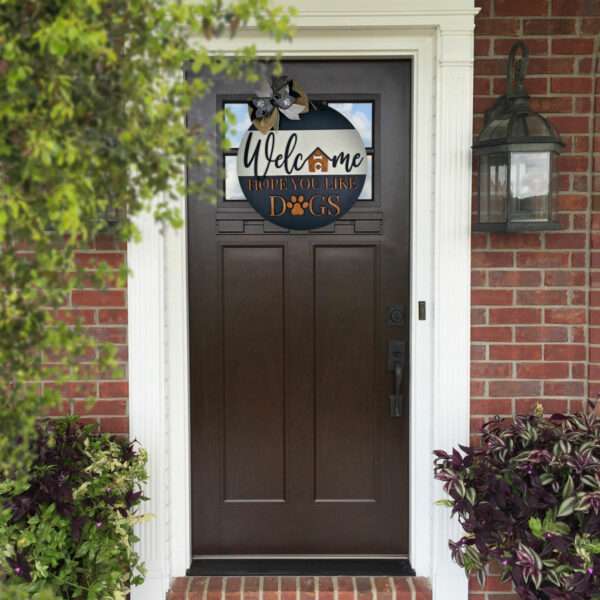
(300, 588)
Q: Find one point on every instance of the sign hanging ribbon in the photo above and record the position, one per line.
(282, 95)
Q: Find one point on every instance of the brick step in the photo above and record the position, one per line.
(300, 588)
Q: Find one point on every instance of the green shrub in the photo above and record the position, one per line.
(68, 528)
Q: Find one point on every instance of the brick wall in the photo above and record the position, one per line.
(104, 313)
(536, 311)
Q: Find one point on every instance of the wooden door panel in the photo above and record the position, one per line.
(345, 306)
(294, 450)
(253, 373)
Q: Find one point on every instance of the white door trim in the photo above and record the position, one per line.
(439, 40)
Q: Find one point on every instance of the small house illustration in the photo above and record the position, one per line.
(318, 161)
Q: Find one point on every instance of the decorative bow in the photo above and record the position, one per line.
(283, 96)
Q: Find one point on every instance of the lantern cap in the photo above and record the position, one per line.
(511, 124)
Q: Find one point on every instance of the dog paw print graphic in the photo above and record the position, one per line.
(297, 204)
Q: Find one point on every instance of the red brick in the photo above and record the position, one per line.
(515, 315)
(573, 46)
(114, 389)
(482, 47)
(478, 278)
(572, 201)
(518, 8)
(575, 8)
(491, 406)
(590, 26)
(557, 241)
(567, 124)
(526, 406)
(542, 334)
(538, 46)
(564, 278)
(549, 26)
(482, 86)
(488, 370)
(478, 316)
(542, 259)
(543, 297)
(563, 388)
(515, 278)
(515, 241)
(490, 66)
(563, 65)
(478, 240)
(564, 315)
(198, 586)
(98, 298)
(112, 316)
(556, 104)
(215, 587)
(491, 259)
(515, 352)
(515, 388)
(542, 370)
(491, 334)
(491, 297)
(564, 352)
(573, 164)
(477, 388)
(497, 27)
(477, 352)
(114, 424)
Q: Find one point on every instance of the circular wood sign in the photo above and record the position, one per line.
(306, 174)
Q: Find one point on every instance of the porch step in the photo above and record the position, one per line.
(299, 588)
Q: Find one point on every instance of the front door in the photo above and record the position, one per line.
(297, 448)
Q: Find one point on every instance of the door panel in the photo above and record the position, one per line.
(345, 308)
(294, 449)
(253, 369)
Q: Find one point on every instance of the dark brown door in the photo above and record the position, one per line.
(294, 447)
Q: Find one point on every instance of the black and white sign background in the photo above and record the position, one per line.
(307, 173)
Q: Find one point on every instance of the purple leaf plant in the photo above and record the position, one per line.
(528, 499)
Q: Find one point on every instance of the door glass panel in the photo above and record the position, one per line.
(360, 114)
(233, 191)
(242, 122)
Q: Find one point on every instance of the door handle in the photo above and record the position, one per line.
(396, 352)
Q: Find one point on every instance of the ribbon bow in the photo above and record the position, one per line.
(283, 96)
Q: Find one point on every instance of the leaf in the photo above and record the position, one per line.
(567, 507)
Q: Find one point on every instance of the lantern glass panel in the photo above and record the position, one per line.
(493, 169)
(530, 186)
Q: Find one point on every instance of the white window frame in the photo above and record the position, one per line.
(437, 35)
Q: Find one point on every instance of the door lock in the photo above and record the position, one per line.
(396, 357)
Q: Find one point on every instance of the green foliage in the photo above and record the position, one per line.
(68, 528)
(92, 123)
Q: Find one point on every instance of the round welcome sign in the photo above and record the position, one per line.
(307, 173)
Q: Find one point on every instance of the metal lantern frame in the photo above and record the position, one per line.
(511, 130)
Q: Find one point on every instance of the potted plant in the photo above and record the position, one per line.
(529, 499)
(67, 528)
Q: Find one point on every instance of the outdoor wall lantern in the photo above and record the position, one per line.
(517, 152)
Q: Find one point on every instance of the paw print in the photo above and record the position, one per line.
(297, 204)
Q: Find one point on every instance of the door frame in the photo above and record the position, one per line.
(437, 35)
